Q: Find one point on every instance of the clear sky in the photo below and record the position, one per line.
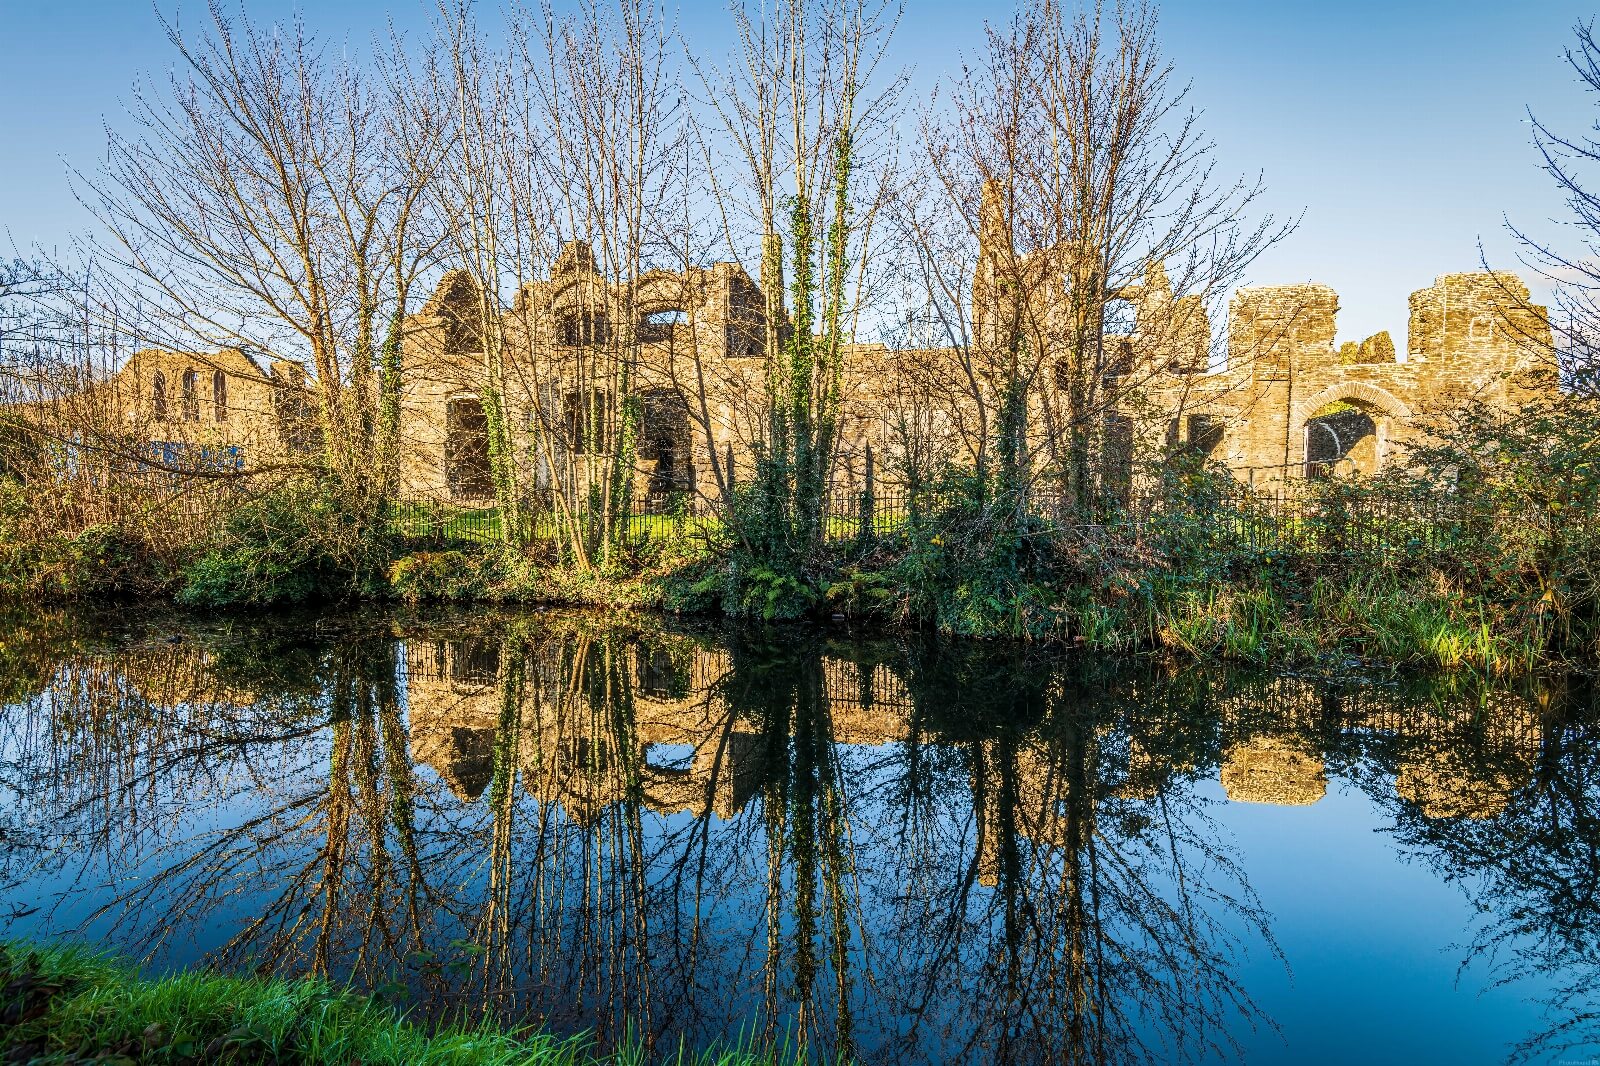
(1398, 127)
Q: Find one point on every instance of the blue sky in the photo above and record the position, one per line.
(1398, 128)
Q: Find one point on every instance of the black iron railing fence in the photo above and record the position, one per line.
(1298, 517)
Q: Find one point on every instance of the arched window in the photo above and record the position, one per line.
(158, 397)
(219, 394)
(191, 397)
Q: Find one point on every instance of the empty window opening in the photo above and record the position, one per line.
(191, 396)
(1340, 437)
(675, 759)
(656, 327)
(466, 450)
(219, 394)
(1118, 357)
(1118, 319)
(1116, 468)
(158, 397)
(1205, 435)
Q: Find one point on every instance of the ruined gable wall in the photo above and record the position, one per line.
(1471, 335)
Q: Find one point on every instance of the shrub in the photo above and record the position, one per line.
(425, 577)
(300, 542)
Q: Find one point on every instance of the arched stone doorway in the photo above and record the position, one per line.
(1349, 429)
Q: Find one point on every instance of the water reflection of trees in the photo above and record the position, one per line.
(1503, 799)
(908, 854)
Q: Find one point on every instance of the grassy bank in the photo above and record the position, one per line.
(66, 1005)
(1484, 556)
(1202, 577)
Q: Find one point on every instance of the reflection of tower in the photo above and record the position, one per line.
(1273, 770)
(993, 299)
(1273, 760)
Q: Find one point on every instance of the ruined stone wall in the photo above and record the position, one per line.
(1282, 404)
(220, 407)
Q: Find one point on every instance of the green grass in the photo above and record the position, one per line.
(66, 1005)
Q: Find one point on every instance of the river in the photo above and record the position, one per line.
(900, 850)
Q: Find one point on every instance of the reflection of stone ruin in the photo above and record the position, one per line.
(682, 751)
(688, 753)
(685, 754)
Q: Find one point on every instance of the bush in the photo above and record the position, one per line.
(95, 562)
(428, 577)
(300, 542)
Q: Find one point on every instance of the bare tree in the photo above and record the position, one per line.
(555, 193)
(1573, 273)
(803, 115)
(1067, 175)
(271, 199)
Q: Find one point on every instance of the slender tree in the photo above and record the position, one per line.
(803, 114)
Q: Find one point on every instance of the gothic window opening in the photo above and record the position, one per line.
(158, 397)
(1116, 467)
(675, 760)
(581, 329)
(460, 316)
(191, 396)
(466, 450)
(219, 394)
(1118, 357)
(746, 339)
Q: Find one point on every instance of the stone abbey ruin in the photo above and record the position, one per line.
(1283, 401)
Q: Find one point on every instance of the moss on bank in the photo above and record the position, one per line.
(64, 1005)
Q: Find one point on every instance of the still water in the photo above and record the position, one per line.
(902, 851)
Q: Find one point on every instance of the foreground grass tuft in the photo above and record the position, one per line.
(66, 1005)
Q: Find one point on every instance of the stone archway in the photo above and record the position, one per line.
(1349, 426)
